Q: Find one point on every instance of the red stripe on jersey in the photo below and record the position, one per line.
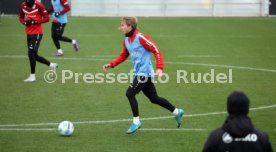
(148, 44)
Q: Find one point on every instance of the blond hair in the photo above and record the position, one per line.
(130, 21)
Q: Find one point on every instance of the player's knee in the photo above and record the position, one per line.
(56, 36)
(154, 99)
(31, 50)
(53, 36)
(31, 54)
(130, 93)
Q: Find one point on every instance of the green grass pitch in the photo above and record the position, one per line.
(30, 112)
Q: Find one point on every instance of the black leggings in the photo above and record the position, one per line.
(33, 42)
(145, 84)
(57, 34)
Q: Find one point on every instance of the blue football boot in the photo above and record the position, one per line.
(133, 128)
(178, 117)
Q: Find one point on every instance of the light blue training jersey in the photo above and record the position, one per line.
(58, 8)
(140, 58)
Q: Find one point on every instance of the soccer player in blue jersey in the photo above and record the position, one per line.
(59, 8)
(139, 47)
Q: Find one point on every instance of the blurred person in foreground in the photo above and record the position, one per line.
(238, 133)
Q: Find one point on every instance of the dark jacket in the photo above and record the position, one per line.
(237, 135)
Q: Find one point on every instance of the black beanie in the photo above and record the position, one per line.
(30, 3)
(237, 103)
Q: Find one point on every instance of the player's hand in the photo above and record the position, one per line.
(30, 22)
(159, 72)
(26, 23)
(106, 67)
(49, 11)
(57, 14)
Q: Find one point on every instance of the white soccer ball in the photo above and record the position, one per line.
(66, 128)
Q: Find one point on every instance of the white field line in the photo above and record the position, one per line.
(27, 129)
(167, 62)
(223, 66)
(143, 129)
(14, 56)
(263, 107)
(90, 58)
(127, 120)
(177, 129)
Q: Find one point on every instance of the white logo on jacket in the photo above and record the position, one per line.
(226, 138)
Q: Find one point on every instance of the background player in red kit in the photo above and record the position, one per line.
(59, 8)
(32, 15)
